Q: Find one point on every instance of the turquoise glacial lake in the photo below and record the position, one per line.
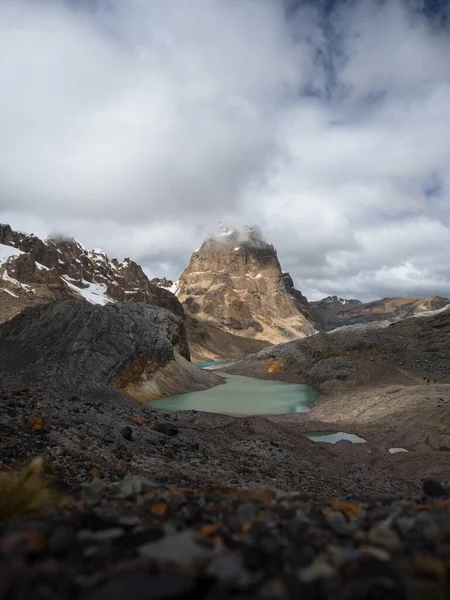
(245, 396)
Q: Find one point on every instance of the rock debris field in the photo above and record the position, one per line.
(140, 540)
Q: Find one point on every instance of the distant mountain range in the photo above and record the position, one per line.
(333, 312)
(233, 295)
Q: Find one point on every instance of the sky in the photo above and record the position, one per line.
(136, 125)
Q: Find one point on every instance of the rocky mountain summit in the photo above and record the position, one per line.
(33, 271)
(234, 281)
(333, 312)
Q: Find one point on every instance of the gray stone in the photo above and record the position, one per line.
(148, 587)
(434, 488)
(180, 546)
(102, 536)
(93, 492)
(135, 484)
(166, 429)
(127, 433)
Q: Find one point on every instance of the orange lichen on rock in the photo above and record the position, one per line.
(135, 371)
(159, 509)
(95, 473)
(206, 530)
(37, 423)
(274, 366)
(349, 509)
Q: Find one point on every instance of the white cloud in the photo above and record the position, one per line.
(137, 125)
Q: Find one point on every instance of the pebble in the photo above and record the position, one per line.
(148, 587)
(434, 488)
(231, 570)
(318, 569)
(180, 547)
(142, 541)
(62, 540)
(167, 429)
(127, 433)
(94, 492)
(338, 523)
(132, 485)
(383, 535)
(106, 535)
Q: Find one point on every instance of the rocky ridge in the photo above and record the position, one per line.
(126, 348)
(234, 281)
(33, 271)
(333, 312)
(359, 355)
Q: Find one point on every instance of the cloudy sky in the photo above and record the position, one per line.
(135, 125)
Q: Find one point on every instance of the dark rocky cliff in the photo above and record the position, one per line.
(128, 346)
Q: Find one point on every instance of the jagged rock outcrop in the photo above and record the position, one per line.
(234, 281)
(138, 349)
(333, 312)
(33, 271)
(404, 351)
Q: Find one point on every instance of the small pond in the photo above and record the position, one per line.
(333, 438)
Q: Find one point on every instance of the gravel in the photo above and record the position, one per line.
(144, 540)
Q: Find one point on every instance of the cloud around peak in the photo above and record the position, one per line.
(135, 124)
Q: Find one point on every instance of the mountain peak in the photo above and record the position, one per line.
(234, 237)
(234, 281)
(34, 271)
(337, 299)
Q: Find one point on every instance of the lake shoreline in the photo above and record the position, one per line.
(245, 396)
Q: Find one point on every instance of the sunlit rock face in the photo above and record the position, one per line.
(234, 281)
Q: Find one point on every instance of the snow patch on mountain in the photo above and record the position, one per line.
(95, 293)
(7, 252)
(16, 283)
(9, 292)
(174, 288)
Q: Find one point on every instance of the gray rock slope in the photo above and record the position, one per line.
(136, 348)
(359, 355)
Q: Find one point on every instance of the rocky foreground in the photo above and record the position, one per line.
(139, 539)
